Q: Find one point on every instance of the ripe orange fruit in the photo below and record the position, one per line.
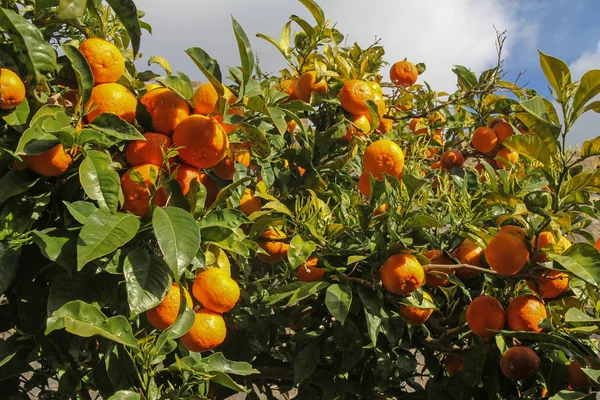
(289, 86)
(597, 244)
(150, 151)
(364, 185)
(544, 239)
(309, 272)
(402, 274)
(506, 155)
(209, 331)
(206, 97)
(273, 242)
(229, 128)
(111, 98)
(524, 313)
(250, 203)
(383, 156)
(307, 84)
(353, 96)
(381, 209)
(225, 169)
(435, 280)
(452, 159)
(503, 130)
(12, 89)
(202, 140)
(508, 252)
(166, 108)
(576, 377)
(453, 363)
(186, 174)
(404, 73)
(136, 195)
(362, 122)
(549, 284)
(105, 60)
(386, 125)
(53, 162)
(484, 140)
(417, 122)
(163, 315)
(215, 290)
(484, 314)
(519, 362)
(292, 126)
(414, 315)
(468, 252)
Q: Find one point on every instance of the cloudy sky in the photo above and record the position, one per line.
(439, 33)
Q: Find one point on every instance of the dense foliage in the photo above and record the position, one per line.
(79, 271)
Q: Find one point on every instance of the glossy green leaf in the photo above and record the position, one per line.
(80, 210)
(16, 182)
(338, 299)
(182, 324)
(589, 87)
(127, 12)
(37, 54)
(315, 10)
(57, 245)
(300, 250)
(208, 66)
(530, 146)
(9, 258)
(85, 320)
(178, 85)
(218, 362)
(296, 291)
(590, 148)
(162, 62)
(178, 237)
(113, 125)
(125, 395)
(147, 279)
(581, 259)
(18, 118)
(306, 361)
(245, 49)
(466, 78)
(556, 71)
(585, 180)
(227, 218)
(103, 234)
(100, 182)
(70, 9)
(260, 145)
(85, 78)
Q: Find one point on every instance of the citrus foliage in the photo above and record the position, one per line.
(373, 237)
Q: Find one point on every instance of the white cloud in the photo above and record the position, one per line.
(439, 33)
(587, 61)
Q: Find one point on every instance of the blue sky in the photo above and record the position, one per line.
(440, 33)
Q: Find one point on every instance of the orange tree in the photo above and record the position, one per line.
(339, 227)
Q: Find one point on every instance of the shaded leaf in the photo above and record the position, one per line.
(338, 299)
(100, 182)
(147, 279)
(127, 12)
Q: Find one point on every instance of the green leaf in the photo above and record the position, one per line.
(574, 315)
(246, 54)
(16, 182)
(178, 237)
(260, 145)
(113, 125)
(338, 299)
(178, 85)
(466, 78)
(218, 362)
(315, 10)
(590, 148)
(226, 381)
(35, 141)
(306, 27)
(423, 221)
(274, 42)
(85, 78)
(569, 395)
(100, 181)
(9, 258)
(80, 210)
(227, 191)
(296, 291)
(70, 9)
(208, 66)
(593, 106)
(128, 15)
(227, 218)
(585, 180)
(589, 87)
(37, 54)
(413, 184)
(103, 234)
(18, 118)
(581, 259)
(162, 62)
(372, 303)
(557, 72)
(306, 361)
(125, 395)
(147, 279)
(85, 320)
(182, 324)
(530, 146)
(57, 245)
(300, 250)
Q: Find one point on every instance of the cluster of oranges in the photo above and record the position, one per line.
(216, 292)
(488, 141)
